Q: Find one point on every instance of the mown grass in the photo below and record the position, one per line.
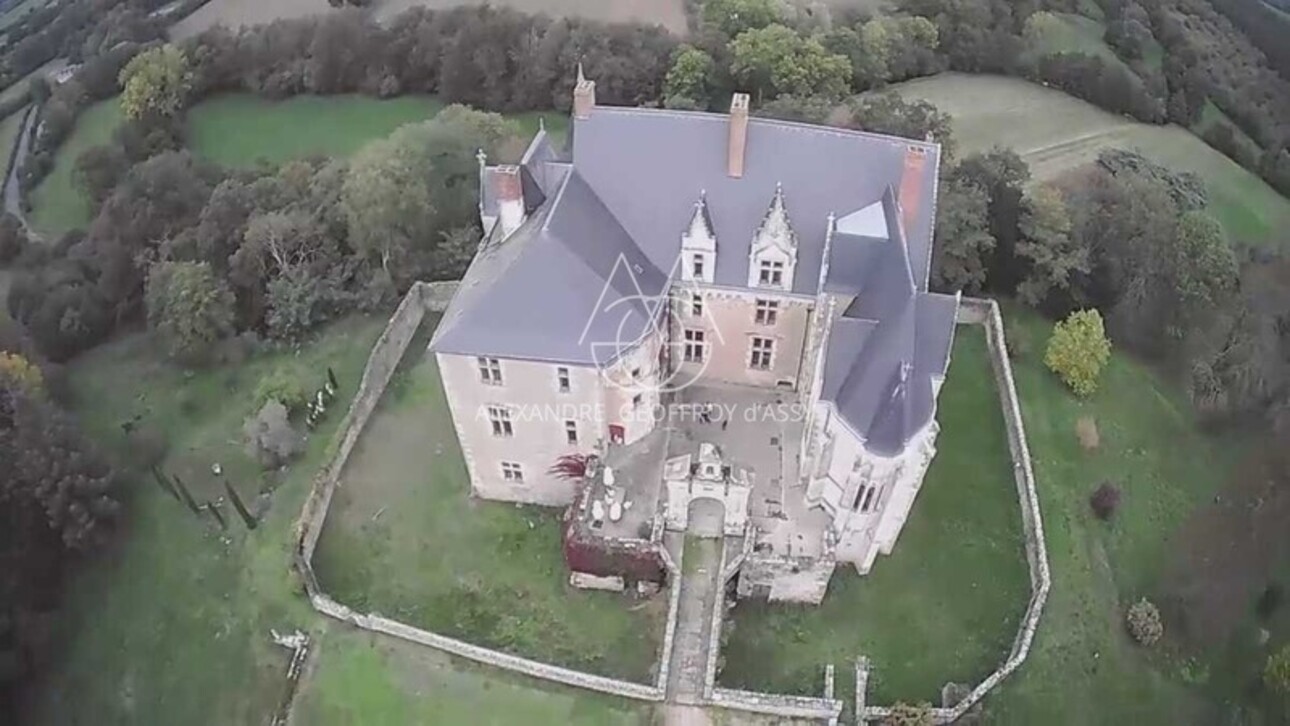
(1083, 669)
(368, 679)
(57, 205)
(1056, 133)
(945, 605)
(406, 539)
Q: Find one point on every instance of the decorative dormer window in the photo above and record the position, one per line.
(699, 245)
(773, 256)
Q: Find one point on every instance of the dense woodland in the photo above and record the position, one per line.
(213, 260)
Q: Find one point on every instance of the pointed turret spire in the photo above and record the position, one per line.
(699, 232)
(776, 228)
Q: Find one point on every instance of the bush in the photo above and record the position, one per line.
(270, 437)
(1105, 500)
(1276, 674)
(1144, 622)
(905, 714)
(1078, 351)
(285, 385)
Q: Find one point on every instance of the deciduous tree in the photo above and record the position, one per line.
(775, 60)
(155, 82)
(689, 77)
(961, 254)
(1048, 253)
(1078, 351)
(189, 307)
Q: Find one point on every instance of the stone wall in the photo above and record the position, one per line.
(975, 311)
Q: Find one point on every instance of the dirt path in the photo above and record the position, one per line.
(700, 586)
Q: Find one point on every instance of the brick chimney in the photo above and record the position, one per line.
(584, 96)
(911, 184)
(737, 136)
(509, 192)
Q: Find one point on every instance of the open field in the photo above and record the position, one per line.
(56, 204)
(405, 538)
(364, 678)
(234, 13)
(945, 605)
(1055, 133)
(241, 129)
(20, 10)
(1083, 669)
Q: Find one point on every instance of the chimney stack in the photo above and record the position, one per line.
(738, 135)
(584, 96)
(509, 192)
(911, 182)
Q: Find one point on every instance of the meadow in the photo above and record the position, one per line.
(1056, 133)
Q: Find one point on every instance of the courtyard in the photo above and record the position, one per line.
(405, 538)
(945, 605)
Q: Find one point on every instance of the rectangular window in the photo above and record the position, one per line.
(500, 419)
(696, 305)
(695, 346)
(571, 431)
(490, 371)
(767, 312)
(868, 499)
(512, 472)
(771, 273)
(562, 379)
(698, 267)
(762, 350)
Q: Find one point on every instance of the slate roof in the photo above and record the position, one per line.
(628, 189)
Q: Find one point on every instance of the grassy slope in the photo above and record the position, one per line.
(1056, 133)
(406, 539)
(367, 679)
(172, 627)
(1075, 34)
(946, 604)
(1083, 669)
(56, 204)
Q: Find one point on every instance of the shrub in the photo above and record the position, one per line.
(21, 372)
(285, 385)
(1078, 351)
(270, 436)
(1269, 601)
(905, 714)
(1144, 622)
(1276, 674)
(1105, 500)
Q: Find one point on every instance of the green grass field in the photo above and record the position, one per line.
(19, 11)
(1056, 133)
(56, 204)
(405, 538)
(363, 678)
(1072, 33)
(1083, 669)
(945, 605)
(242, 130)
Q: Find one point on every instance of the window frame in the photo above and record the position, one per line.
(499, 418)
(696, 344)
(563, 382)
(490, 370)
(761, 355)
(571, 432)
(512, 472)
(766, 311)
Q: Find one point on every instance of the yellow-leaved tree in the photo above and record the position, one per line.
(16, 369)
(155, 83)
(1078, 351)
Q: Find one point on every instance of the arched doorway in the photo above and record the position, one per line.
(706, 517)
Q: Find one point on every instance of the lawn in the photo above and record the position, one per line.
(945, 605)
(1083, 669)
(1055, 133)
(20, 10)
(241, 130)
(364, 678)
(405, 538)
(57, 205)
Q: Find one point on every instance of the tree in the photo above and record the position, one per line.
(733, 17)
(97, 171)
(1143, 621)
(1276, 673)
(893, 49)
(404, 192)
(270, 437)
(1205, 268)
(16, 370)
(889, 113)
(189, 307)
(689, 77)
(155, 83)
(775, 60)
(1078, 351)
(1003, 175)
(1045, 248)
(963, 243)
(13, 238)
